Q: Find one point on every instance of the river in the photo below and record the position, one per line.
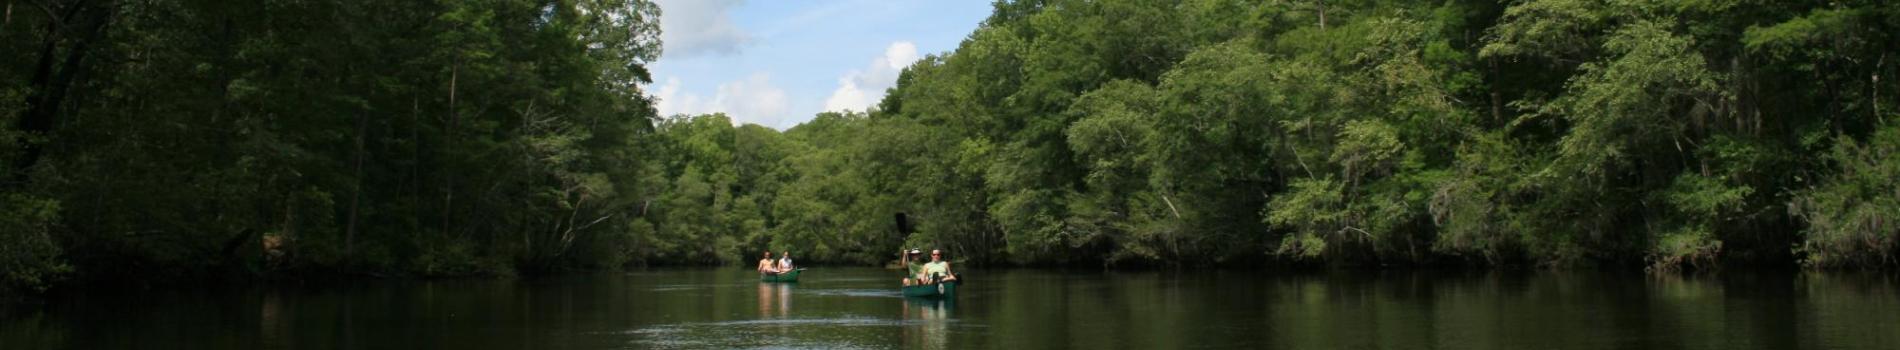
(997, 309)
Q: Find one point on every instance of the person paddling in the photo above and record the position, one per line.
(785, 261)
(938, 269)
(912, 266)
(767, 265)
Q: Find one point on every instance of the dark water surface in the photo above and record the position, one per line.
(998, 309)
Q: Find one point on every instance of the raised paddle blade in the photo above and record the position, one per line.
(904, 227)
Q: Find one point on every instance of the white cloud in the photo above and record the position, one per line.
(860, 88)
(847, 96)
(698, 27)
(901, 54)
(671, 101)
(751, 100)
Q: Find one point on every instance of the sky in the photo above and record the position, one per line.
(779, 62)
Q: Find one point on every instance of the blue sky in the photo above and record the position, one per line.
(777, 63)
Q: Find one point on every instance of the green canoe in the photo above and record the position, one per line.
(781, 277)
(939, 290)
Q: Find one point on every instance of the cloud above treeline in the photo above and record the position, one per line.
(861, 88)
(691, 28)
(696, 33)
(751, 100)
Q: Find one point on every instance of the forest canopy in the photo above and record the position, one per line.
(166, 139)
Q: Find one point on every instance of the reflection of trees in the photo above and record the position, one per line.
(33, 331)
(765, 300)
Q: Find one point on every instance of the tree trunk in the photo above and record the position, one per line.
(415, 166)
(356, 194)
(1879, 67)
(32, 119)
(51, 83)
(289, 231)
(448, 143)
(1497, 93)
(1322, 15)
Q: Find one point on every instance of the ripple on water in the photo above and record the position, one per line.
(829, 321)
(675, 288)
(682, 287)
(861, 279)
(855, 293)
(812, 333)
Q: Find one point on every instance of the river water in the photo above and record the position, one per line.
(997, 309)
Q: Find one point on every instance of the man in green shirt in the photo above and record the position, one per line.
(913, 266)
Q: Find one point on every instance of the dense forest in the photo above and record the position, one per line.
(160, 140)
(157, 140)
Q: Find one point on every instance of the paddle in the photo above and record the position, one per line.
(904, 230)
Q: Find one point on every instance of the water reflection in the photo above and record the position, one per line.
(31, 329)
(930, 326)
(1011, 309)
(775, 299)
(271, 321)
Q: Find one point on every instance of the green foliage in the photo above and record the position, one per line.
(1850, 214)
(29, 259)
(192, 138)
(1314, 210)
(1476, 210)
(1699, 204)
(435, 138)
(1573, 131)
(1788, 38)
(1635, 102)
(1552, 29)
(1113, 138)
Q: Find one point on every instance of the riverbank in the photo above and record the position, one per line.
(249, 278)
